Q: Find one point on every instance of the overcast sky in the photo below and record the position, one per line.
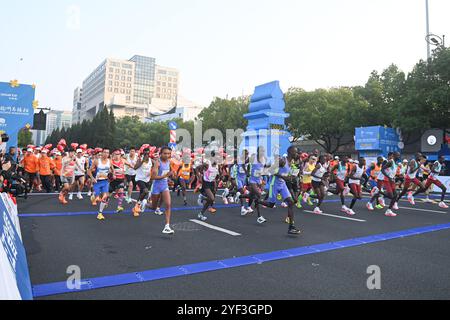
(220, 46)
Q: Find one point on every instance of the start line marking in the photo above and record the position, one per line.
(335, 216)
(210, 226)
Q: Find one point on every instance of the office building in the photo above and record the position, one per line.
(55, 120)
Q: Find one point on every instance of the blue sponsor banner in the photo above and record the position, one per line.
(13, 259)
(16, 109)
(377, 139)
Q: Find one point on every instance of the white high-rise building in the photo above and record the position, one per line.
(128, 87)
(55, 120)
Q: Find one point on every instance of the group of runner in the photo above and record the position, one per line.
(292, 180)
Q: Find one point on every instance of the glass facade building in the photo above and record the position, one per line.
(144, 79)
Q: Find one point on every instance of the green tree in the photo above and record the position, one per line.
(25, 138)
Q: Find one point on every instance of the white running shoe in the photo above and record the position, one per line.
(128, 200)
(237, 199)
(395, 206)
(305, 197)
(158, 212)
(390, 213)
(284, 205)
(381, 201)
(317, 210)
(71, 196)
(261, 220)
(249, 210)
(168, 230)
(200, 200)
(411, 199)
(225, 200)
(344, 209)
(244, 211)
(443, 205)
(79, 196)
(350, 212)
(202, 217)
(428, 200)
(89, 193)
(369, 206)
(230, 199)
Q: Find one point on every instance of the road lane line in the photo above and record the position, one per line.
(210, 226)
(335, 216)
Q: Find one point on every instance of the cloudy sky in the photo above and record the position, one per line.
(220, 46)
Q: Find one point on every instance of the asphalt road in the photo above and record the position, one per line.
(413, 267)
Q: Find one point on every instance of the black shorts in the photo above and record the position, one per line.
(143, 185)
(131, 179)
(77, 178)
(209, 185)
(316, 184)
(116, 184)
(293, 185)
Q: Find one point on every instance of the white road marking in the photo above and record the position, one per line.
(425, 210)
(334, 216)
(210, 226)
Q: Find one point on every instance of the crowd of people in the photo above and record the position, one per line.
(293, 180)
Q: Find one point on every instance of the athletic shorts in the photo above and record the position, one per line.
(316, 184)
(184, 180)
(356, 189)
(143, 185)
(293, 186)
(208, 186)
(389, 186)
(68, 180)
(409, 181)
(77, 178)
(159, 187)
(431, 181)
(306, 187)
(116, 184)
(102, 186)
(131, 179)
(279, 188)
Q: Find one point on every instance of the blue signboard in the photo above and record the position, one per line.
(16, 109)
(377, 140)
(173, 125)
(13, 259)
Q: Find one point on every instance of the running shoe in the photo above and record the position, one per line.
(71, 196)
(350, 212)
(89, 193)
(200, 200)
(305, 197)
(443, 205)
(119, 209)
(299, 205)
(379, 207)
(284, 205)
(310, 203)
(212, 210)
(202, 217)
(261, 220)
(225, 200)
(411, 199)
(237, 198)
(230, 199)
(369, 206)
(344, 209)
(158, 212)
(168, 230)
(381, 202)
(128, 200)
(390, 213)
(346, 191)
(293, 230)
(249, 210)
(428, 200)
(137, 211)
(100, 217)
(244, 211)
(79, 196)
(317, 210)
(395, 206)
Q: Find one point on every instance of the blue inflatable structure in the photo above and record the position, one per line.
(266, 122)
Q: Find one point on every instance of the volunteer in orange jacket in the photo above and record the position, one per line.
(46, 167)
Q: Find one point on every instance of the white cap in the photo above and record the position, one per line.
(336, 158)
(356, 162)
(29, 150)
(44, 151)
(351, 161)
(57, 153)
(79, 151)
